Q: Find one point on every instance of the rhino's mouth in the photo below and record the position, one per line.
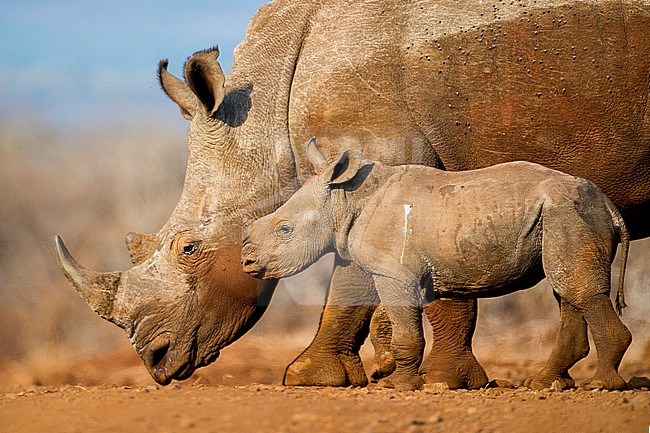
(166, 361)
(254, 268)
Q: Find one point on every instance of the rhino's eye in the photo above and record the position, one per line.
(286, 230)
(190, 249)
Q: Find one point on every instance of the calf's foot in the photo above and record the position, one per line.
(611, 381)
(544, 380)
(402, 381)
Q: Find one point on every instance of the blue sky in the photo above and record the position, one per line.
(76, 62)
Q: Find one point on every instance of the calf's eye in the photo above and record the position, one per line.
(286, 230)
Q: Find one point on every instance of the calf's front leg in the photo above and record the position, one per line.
(403, 306)
(451, 359)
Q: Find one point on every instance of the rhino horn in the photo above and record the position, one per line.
(177, 90)
(98, 289)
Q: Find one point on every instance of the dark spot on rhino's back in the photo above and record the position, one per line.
(447, 189)
(589, 198)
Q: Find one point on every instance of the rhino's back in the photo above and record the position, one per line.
(480, 227)
(470, 84)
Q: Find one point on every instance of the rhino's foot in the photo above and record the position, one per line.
(611, 381)
(462, 371)
(544, 380)
(402, 381)
(383, 365)
(321, 368)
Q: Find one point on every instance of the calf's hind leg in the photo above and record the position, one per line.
(611, 338)
(577, 253)
(571, 345)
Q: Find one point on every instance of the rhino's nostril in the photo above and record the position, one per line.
(248, 262)
(159, 354)
(156, 353)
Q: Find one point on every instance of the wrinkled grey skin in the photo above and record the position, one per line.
(450, 84)
(422, 233)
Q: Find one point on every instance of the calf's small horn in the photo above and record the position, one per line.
(315, 157)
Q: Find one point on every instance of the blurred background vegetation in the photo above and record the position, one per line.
(92, 159)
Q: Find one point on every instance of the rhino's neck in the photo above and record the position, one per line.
(264, 65)
(245, 168)
(348, 203)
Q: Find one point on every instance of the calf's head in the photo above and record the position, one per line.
(308, 225)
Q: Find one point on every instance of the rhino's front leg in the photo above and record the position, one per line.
(332, 359)
(451, 359)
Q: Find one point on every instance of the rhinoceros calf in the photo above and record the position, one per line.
(422, 232)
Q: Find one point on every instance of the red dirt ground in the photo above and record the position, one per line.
(241, 392)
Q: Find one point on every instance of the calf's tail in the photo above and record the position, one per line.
(624, 236)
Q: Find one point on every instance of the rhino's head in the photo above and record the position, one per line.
(179, 307)
(310, 224)
(186, 296)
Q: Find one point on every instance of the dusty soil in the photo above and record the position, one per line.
(269, 408)
(242, 393)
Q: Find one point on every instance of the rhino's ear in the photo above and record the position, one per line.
(141, 246)
(205, 77)
(347, 166)
(315, 157)
(177, 90)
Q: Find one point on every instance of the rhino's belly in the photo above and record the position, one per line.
(484, 261)
(461, 279)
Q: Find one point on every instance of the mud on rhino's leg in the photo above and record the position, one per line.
(332, 359)
(571, 345)
(451, 358)
(380, 337)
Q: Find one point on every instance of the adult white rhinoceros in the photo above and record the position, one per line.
(453, 84)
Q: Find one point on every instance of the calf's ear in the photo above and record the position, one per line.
(347, 166)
